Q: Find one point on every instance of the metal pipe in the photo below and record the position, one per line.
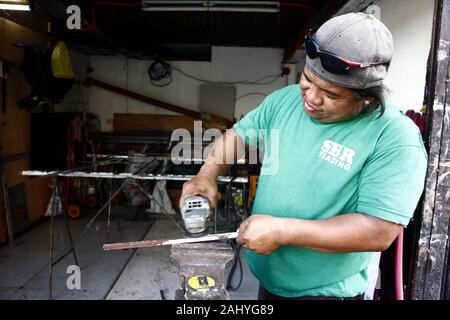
(145, 99)
(177, 2)
(255, 3)
(212, 9)
(52, 226)
(138, 158)
(14, 6)
(164, 242)
(88, 226)
(399, 294)
(8, 215)
(109, 212)
(151, 198)
(301, 38)
(69, 233)
(110, 175)
(93, 24)
(212, 6)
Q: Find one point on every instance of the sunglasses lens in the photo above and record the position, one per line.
(330, 62)
(311, 48)
(333, 64)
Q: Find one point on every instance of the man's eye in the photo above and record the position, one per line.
(306, 78)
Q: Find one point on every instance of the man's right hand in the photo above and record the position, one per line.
(203, 185)
(223, 153)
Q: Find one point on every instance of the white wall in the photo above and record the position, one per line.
(410, 22)
(227, 64)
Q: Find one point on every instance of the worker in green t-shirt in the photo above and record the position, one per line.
(342, 173)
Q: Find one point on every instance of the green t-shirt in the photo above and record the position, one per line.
(316, 171)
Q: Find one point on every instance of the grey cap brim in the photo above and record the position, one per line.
(357, 79)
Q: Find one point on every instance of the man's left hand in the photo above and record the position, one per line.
(260, 233)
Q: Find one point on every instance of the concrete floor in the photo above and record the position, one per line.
(116, 275)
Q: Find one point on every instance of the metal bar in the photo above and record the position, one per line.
(247, 3)
(64, 253)
(19, 6)
(8, 215)
(110, 175)
(37, 173)
(69, 233)
(15, 157)
(176, 2)
(212, 9)
(4, 187)
(124, 266)
(200, 2)
(150, 197)
(157, 243)
(142, 98)
(109, 212)
(52, 226)
(138, 158)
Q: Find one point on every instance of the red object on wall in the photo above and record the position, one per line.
(418, 118)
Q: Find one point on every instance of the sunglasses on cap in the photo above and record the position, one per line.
(330, 61)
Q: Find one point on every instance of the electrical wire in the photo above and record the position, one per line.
(237, 262)
(160, 70)
(259, 81)
(236, 248)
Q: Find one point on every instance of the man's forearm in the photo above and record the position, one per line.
(353, 232)
(225, 151)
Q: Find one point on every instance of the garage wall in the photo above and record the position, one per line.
(228, 64)
(410, 22)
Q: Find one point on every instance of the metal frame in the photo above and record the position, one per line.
(110, 175)
(127, 177)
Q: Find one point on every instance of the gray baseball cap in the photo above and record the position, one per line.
(358, 37)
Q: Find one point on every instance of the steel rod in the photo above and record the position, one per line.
(138, 158)
(52, 226)
(157, 243)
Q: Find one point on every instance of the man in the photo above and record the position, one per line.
(351, 168)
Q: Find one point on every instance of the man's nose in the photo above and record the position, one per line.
(314, 96)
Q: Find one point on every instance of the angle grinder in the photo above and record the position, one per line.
(195, 213)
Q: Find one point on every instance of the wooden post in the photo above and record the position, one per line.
(430, 267)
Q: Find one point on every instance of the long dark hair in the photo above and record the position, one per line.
(378, 94)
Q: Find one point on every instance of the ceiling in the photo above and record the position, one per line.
(185, 35)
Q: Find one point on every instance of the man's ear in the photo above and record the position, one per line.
(364, 103)
(368, 101)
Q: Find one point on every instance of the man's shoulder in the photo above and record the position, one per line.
(292, 90)
(399, 129)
